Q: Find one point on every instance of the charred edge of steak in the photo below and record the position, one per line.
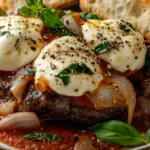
(51, 106)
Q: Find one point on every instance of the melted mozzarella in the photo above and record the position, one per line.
(56, 57)
(20, 41)
(127, 49)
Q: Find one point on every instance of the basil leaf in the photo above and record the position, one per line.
(26, 12)
(40, 136)
(50, 18)
(126, 26)
(73, 69)
(102, 48)
(31, 2)
(31, 72)
(86, 16)
(118, 132)
(5, 33)
(62, 13)
(148, 135)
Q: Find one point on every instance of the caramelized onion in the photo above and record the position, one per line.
(85, 143)
(115, 92)
(19, 85)
(20, 120)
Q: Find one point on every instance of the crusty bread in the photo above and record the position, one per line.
(12, 4)
(136, 12)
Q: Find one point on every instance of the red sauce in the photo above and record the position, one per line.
(66, 129)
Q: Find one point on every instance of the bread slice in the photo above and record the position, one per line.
(136, 12)
(12, 4)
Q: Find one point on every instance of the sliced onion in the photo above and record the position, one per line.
(129, 94)
(70, 23)
(18, 86)
(85, 143)
(20, 120)
(7, 107)
(116, 92)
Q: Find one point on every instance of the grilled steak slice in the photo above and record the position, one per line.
(51, 106)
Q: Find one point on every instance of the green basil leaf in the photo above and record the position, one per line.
(26, 12)
(40, 136)
(62, 13)
(40, 3)
(148, 135)
(50, 18)
(31, 72)
(118, 132)
(126, 26)
(5, 33)
(31, 2)
(73, 69)
(86, 16)
(103, 47)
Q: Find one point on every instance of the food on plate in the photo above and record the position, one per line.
(136, 12)
(13, 4)
(62, 73)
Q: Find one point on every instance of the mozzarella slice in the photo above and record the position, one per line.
(126, 49)
(56, 57)
(20, 41)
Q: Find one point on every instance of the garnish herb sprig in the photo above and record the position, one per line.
(86, 16)
(47, 15)
(103, 47)
(73, 69)
(120, 133)
(40, 136)
(126, 26)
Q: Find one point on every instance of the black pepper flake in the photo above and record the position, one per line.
(75, 138)
(136, 57)
(127, 66)
(76, 90)
(33, 48)
(53, 67)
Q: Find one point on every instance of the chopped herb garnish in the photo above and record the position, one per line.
(73, 69)
(126, 26)
(119, 132)
(4, 33)
(31, 72)
(40, 136)
(86, 16)
(47, 15)
(103, 47)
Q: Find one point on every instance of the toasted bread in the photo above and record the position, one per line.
(136, 12)
(12, 4)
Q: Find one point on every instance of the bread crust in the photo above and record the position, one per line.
(60, 4)
(136, 12)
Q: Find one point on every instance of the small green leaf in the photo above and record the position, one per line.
(26, 12)
(126, 26)
(50, 18)
(118, 132)
(86, 16)
(103, 47)
(40, 136)
(31, 2)
(31, 72)
(148, 135)
(5, 33)
(73, 69)
(62, 13)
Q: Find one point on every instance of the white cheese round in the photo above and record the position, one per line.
(126, 49)
(20, 41)
(59, 55)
